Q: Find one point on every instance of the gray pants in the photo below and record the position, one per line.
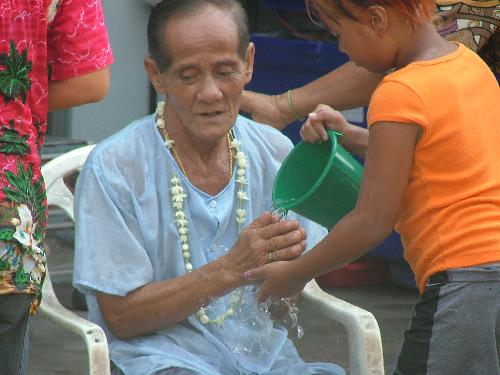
(14, 315)
(455, 328)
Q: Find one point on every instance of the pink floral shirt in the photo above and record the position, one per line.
(39, 40)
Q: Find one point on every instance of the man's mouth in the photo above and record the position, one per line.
(211, 114)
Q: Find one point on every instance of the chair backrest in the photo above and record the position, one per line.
(58, 194)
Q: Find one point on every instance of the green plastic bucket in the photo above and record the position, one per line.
(319, 181)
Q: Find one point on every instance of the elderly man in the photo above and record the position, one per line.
(167, 212)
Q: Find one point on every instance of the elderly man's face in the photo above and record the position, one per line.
(206, 77)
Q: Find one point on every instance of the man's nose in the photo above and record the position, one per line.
(209, 90)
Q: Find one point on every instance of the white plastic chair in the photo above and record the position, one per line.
(365, 344)
(363, 333)
(59, 195)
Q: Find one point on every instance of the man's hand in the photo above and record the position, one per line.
(266, 240)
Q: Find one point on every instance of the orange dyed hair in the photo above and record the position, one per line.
(417, 11)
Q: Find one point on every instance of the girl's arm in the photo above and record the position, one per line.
(387, 170)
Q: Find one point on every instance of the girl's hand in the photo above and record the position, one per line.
(322, 118)
(278, 280)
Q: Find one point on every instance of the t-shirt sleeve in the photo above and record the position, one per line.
(77, 40)
(396, 102)
(110, 251)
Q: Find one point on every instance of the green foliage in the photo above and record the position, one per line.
(23, 190)
(4, 264)
(22, 278)
(12, 143)
(14, 79)
(6, 234)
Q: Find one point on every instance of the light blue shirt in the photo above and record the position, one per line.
(126, 237)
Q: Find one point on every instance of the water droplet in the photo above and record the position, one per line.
(278, 209)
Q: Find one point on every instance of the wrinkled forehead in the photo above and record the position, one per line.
(209, 21)
(211, 31)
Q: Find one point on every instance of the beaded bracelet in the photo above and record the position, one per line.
(290, 106)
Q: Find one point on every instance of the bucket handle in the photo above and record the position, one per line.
(334, 132)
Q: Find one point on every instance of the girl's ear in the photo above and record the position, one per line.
(378, 18)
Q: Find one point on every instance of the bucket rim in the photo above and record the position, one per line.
(332, 135)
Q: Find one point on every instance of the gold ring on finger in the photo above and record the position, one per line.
(270, 256)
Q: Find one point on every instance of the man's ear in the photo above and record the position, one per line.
(378, 18)
(250, 57)
(154, 75)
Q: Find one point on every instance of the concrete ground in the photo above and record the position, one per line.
(55, 351)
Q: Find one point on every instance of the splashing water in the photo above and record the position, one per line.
(291, 318)
(293, 313)
(250, 333)
(251, 316)
(278, 209)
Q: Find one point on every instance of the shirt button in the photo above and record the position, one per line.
(213, 204)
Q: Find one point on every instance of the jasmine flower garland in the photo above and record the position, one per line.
(178, 197)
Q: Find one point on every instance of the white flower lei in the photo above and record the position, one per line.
(177, 199)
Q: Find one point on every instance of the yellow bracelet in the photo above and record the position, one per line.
(290, 106)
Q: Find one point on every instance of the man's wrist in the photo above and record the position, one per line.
(229, 277)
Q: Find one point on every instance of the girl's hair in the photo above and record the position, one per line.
(417, 11)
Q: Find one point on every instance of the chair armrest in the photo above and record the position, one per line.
(92, 334)
(365, 343)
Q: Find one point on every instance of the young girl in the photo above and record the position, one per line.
(432, 170)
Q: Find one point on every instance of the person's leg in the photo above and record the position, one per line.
(26, 347)
(14, 315)
(415, 350)
(455, 326)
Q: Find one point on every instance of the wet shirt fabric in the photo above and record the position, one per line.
(38, 38)
(126, 226)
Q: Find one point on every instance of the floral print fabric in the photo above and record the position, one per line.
(63, 38)
(474, 23)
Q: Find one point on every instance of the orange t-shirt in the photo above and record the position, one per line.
(450, 217)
